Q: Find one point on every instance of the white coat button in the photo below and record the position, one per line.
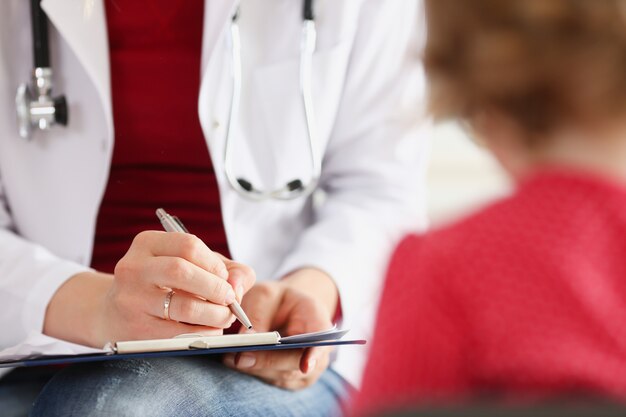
(216, 124)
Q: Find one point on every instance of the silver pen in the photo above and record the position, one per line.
(173, 224)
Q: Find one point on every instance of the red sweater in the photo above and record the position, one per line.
(525, 299)
(160, 157)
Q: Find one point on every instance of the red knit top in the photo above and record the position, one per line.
(160, 157)
(525, 299)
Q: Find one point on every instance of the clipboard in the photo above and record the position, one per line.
(193, 345)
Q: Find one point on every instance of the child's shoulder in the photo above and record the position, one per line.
(468, 230)
(468, 240)
(541, 219)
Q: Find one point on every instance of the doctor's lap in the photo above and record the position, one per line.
(192, 386)
(236, 125)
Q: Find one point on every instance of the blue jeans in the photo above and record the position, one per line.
(20, 388)
(191, 386)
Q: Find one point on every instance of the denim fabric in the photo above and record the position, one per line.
(20, 388)
(192, 386)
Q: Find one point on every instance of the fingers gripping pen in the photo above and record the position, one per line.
(173, 224)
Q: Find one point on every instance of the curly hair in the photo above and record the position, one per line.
(543, 63)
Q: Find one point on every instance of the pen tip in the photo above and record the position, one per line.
(250, 327)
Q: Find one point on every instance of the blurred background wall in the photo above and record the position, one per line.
(462, 177)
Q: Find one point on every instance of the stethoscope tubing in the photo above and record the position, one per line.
(309, 40)
(39, 25)
(307, 48)
(57, 107)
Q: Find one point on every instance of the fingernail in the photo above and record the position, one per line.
(229, 360)
(246, 361)
(230, 297)
(239, 292)
(311, 365)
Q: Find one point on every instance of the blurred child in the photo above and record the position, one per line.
(527, 298)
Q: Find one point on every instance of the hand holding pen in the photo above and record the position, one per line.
(166, 284)
(173, 224)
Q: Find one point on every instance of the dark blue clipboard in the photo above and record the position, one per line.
(111, 356)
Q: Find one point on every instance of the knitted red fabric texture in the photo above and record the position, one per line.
(160, 157)
(524, 300)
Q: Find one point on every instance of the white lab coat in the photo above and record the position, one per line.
(368, 96)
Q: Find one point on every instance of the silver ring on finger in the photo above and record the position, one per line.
(166, 304)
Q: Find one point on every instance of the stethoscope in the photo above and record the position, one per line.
(294, 188)
(38, 110)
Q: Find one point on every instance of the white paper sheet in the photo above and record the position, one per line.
(37, 344)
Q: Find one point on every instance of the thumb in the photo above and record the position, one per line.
(261, 305)
(307, 317)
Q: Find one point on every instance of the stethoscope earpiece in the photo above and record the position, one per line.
(295, 185)
(281, 194)
(246, 185)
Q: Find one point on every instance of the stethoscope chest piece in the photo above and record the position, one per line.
(36, 108)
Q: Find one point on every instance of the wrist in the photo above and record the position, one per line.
(75, 312)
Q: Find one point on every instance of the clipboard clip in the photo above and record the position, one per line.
(199, 344)
(196, 344)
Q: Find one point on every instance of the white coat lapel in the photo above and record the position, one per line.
(215, 83)
(217, 13)
(82, 24)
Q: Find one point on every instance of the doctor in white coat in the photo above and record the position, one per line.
(331, 247)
